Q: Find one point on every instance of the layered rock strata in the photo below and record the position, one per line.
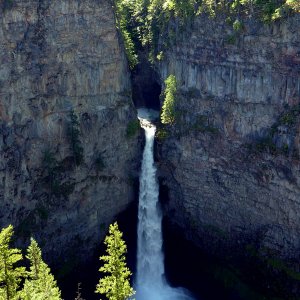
(67, 162)
(231, 163)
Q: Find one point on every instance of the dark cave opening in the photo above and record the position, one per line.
(146, 87)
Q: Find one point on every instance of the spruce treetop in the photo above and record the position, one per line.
(115, 286)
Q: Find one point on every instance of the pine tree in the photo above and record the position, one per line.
(10, 276)
(41, 285)
(115, 286)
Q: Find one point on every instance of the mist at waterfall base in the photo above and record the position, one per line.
(150, 282)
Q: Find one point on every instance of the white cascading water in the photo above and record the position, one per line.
(150, 283)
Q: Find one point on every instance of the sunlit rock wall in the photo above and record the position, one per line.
(232, 164)
(59, 57)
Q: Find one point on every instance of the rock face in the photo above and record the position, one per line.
(66, 163)
(231, 164)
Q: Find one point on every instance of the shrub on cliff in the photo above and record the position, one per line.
(168, 114)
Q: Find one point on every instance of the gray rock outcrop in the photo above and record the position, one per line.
(232, 163)
(66, 162)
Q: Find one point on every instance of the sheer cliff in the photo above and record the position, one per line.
(67, 160)
(231, 162)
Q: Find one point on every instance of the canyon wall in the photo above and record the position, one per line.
(231, 162)
(67, 162)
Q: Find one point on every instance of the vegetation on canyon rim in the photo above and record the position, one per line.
(38, 283)
(142, 22)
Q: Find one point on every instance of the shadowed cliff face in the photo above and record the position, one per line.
(66, 163)
(146, 85)
(231, 165)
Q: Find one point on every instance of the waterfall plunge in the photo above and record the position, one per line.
(150, 282)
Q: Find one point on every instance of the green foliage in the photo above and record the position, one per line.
(289, 118)
(180, 8)
(132, 128)
(237, 25)
(41, 283)
(143, 22)
(294, 5)
(161, 133)
(124, 12)
(115, 286)
(10, 275)
(168, 114)
(267, 9)
(160, 56)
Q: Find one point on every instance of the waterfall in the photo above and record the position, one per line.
(150, 283)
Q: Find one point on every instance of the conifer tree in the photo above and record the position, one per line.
(10, 275)
(115, 286)
(41, 285)
(168, 108)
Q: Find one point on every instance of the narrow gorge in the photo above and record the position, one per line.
(224, 168)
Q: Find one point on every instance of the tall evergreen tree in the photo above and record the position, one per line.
(168, 109)
(115, 286)
(41, 285)
(10, 275)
